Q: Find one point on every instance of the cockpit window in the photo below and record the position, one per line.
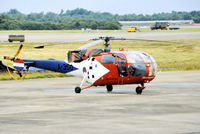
(120, 59)
(137, 70)
(133, 58)
(106, 59)
(146, 57)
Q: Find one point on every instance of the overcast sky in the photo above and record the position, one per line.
(112, 6)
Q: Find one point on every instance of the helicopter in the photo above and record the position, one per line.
(96, 66)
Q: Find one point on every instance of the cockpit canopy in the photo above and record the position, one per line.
(131, 56)
(135, 61)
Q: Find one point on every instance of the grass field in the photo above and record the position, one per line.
(6, 76)
(169, 56)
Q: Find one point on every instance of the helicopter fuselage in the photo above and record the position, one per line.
(115, 68)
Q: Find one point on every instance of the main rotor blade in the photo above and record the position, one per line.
(90, 44)
(18, 51)
(177, 42)
(54, 44)
(42, 46)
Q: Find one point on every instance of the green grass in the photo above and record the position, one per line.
(169, 56)
(36, 75)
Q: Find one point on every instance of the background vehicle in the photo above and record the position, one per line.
(12, 38)
(160, 25)
(132, 29)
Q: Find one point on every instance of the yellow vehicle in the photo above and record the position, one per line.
(132, 29)
(12, 38)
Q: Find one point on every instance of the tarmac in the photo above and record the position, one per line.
(73, 37)
(168, 105)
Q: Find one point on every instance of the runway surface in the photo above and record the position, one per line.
(169, 104)
(70, 37)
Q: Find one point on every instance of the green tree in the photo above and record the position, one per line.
(8, 23)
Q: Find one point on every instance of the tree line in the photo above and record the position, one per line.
(82, 18)
(9, 23)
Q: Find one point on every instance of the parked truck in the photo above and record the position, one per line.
(160, 25)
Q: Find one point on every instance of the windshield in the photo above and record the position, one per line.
(106, 59)
(133, 58)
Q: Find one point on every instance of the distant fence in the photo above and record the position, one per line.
(151, 23)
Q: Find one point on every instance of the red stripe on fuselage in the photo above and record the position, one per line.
(18, 61)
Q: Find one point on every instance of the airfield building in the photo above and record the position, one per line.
(126, 24)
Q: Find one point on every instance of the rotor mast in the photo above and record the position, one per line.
(107, 48)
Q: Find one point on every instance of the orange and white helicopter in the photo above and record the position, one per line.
(98, 67)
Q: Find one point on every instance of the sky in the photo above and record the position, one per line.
(113, 6)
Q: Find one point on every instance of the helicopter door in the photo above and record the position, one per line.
(121, 67)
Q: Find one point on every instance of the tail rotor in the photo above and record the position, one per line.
(17, 53)
(18, 65)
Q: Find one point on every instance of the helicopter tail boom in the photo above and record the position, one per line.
(51, 65)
